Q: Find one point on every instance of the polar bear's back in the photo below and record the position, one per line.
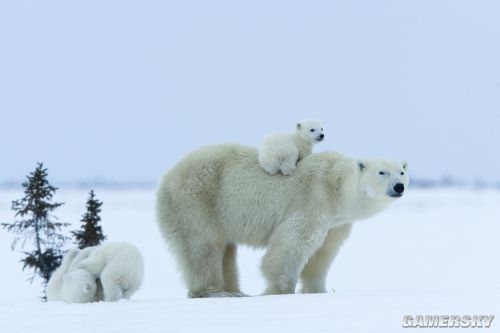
(122, 258)
(223, 191)
(113, 250)
(218, 189)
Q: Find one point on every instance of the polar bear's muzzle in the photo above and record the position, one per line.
(397, 191)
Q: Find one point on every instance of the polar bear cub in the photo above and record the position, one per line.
(71, 286)
(119, 266)
(281, 152)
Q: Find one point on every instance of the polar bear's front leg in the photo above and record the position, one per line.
(290, 247)
(313, 277)
(288, 167)
(111, 286)
(289, 163)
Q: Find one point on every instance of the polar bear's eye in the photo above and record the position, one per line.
(382, 173)
(312, 130)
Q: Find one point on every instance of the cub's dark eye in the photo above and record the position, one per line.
(382, 173)
(313, 130)
(321, 128)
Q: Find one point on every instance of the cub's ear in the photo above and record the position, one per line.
(299, 126)
(86, 288)
(405, 165)
(361, 165)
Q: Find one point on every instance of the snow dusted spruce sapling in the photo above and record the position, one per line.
(90, 233)
(38, 225)
(281, 152)
(218, 197)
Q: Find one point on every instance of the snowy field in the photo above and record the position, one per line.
(433, 252)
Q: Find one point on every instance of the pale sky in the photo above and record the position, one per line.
(122, 90)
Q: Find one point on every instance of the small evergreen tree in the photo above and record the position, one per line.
(36, 226)
(90, 234)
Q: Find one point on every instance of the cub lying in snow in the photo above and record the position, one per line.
(107, 272)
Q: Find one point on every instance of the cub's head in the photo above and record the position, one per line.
(310, 130)
(79, 286)
(383, 180)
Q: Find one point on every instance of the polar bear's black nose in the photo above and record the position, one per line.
(321, 136)
(399, 188)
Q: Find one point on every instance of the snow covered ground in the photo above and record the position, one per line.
(434, 252)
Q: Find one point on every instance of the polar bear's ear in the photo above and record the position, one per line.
(361, 165)
(405, 165)
(299, 125)
(87, 288)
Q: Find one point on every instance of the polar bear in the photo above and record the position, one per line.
(83, 254)
(281, 152)
(119, 266)
(71, 286)
(219, 196)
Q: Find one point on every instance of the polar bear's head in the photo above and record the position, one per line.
(79, 286)
(382, 180)
(310, 130)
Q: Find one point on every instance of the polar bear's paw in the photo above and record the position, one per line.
(215, 293)
(278, 291)
(288, 167)
(313, 290)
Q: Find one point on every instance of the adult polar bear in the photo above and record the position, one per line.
(219, 196)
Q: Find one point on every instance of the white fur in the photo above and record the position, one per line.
(281, 152)
(82, 254)
(219, 196)
(118, 265)
(71, 286)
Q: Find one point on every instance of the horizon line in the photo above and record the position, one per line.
(443, 182)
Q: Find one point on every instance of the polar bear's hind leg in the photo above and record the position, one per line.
(202, 268)
(110, 286)
(288, 167)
